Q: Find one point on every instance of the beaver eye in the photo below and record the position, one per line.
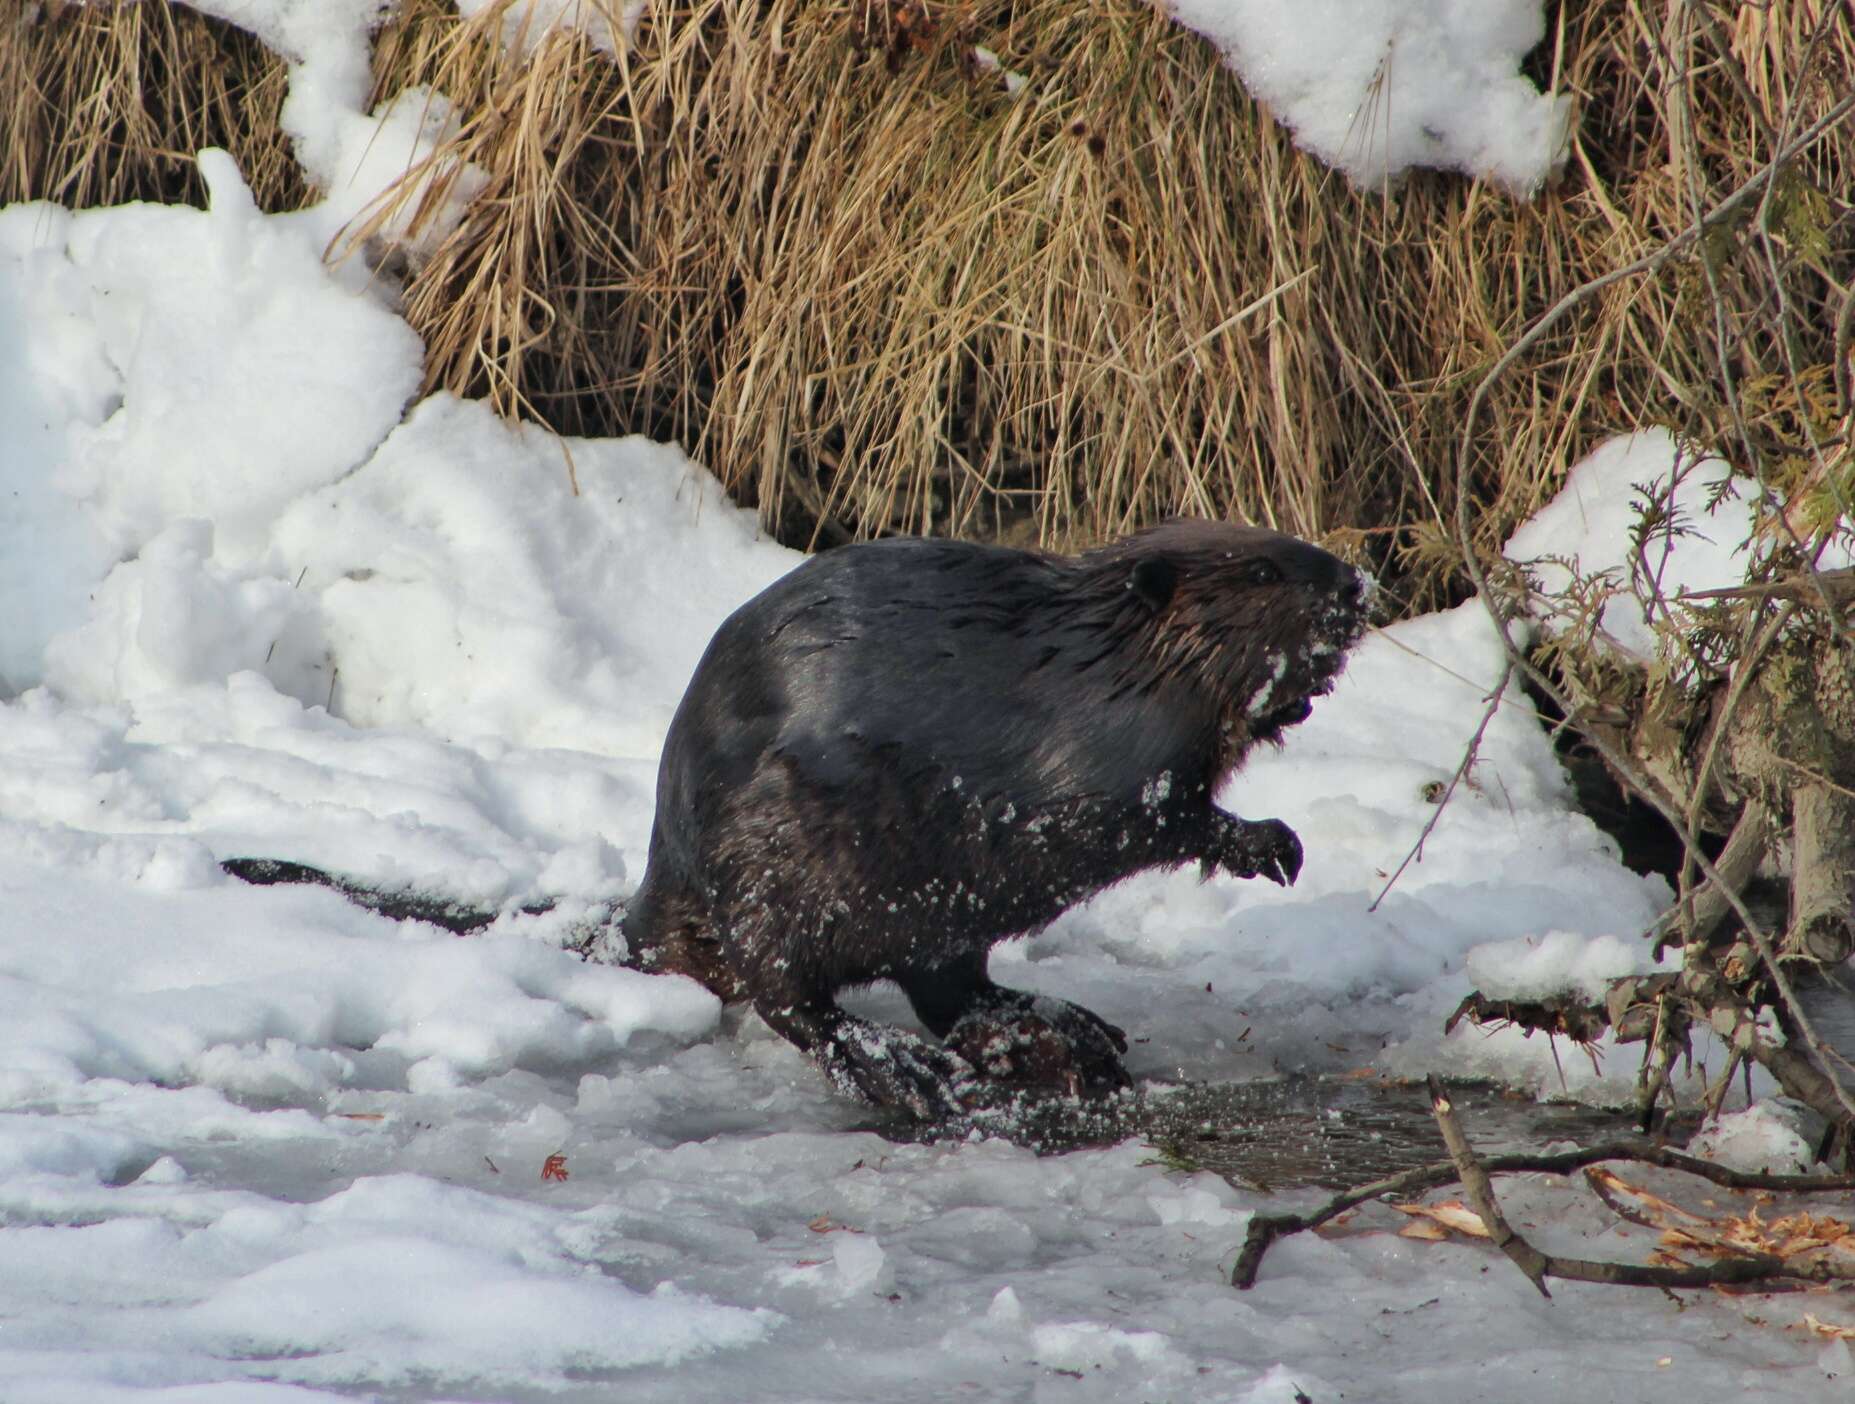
(1262, 573)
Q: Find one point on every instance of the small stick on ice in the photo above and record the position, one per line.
(1480, 1190)
(1469, 755)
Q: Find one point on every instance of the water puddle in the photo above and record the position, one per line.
(1330, 1132)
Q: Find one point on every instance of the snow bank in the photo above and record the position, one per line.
(349, 154)
(1375, 87)
(1644, 518)
(280, 995)
(216, 336)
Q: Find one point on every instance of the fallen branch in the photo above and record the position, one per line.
(1480, 1191)
(1697, 915)
(1538, 1266)
(1265, 1229)
(1662, 1008)
(1823, 881)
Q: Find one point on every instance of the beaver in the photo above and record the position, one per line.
(908, 750)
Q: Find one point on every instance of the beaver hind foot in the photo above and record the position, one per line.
(907, 751)
(894, 1068)
(1036, 1041)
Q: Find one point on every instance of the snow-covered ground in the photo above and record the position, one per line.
(259, 1144)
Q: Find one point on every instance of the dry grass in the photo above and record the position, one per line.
(816, 243)
(104, 103)
(877, 293)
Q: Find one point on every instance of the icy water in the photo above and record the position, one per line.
(1330, 1132)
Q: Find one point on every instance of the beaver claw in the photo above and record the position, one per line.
(1257, 848)
(1038, 1041)
(895, 1068)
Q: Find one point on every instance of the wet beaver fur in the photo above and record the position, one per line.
(907, 751)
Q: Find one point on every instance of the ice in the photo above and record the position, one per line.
(398, 1280)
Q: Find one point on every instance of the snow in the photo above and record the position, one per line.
(1375, 87)
(259, 598)
(1641, 520)
(607, 24)
(1776, 1136)
(326, 46)
(1594, 530)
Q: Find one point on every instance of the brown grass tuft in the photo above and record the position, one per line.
(102, 104)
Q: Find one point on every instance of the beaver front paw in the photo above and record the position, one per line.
(894, 1068)
(1248, 848)
(1042, 1042)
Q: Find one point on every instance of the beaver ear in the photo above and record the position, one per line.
(1153, 579)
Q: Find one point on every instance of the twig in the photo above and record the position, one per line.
(1469, 755)
(1785, 341)
(1754, 1266)
(1845, 344)
(1759, 639)
(1838, 584)
(1480, 1190)
(1753, 187)
(1265, 1229)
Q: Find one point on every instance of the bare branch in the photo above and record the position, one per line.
(1265, 1229)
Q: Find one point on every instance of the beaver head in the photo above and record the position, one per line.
(1254, 622)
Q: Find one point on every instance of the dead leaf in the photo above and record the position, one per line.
(1800, 1240)
(1452, 1215)
(1425, 1229)
(1827, 1329)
